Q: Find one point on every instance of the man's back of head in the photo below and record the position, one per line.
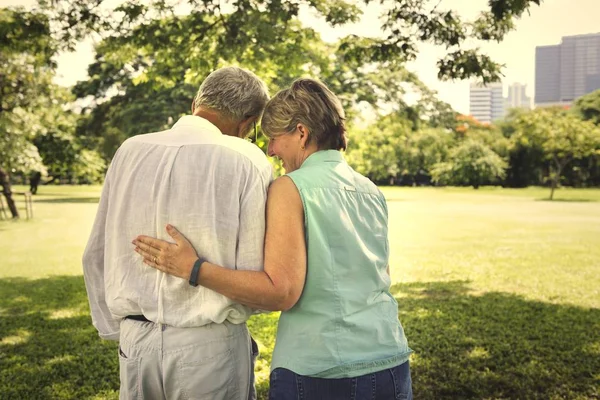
(231, 96)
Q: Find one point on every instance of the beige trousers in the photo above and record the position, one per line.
(213, 362)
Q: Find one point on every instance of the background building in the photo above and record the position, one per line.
(486, 103)
(567, 71)
(517, 97)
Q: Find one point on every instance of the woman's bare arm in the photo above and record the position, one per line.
(278, 287)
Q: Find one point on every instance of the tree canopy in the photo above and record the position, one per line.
(560, 136)
(150, 59)
(588, 107)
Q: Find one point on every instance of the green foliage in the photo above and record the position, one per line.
(425, 149)
(473, 163)
(17, 153)
(588, 107)
(406, 23)
(151, 58)
(375, 151)
(37, 129)
(560, 136)
(26, 32)
(528, 148)
(26, 68)
(492, 137)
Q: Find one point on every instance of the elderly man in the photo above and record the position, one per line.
(179, 340)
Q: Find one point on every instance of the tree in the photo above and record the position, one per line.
(588, 107)
(25, 81)
(405, 23)
(152, 57)
(560, 136)
(36, 125)
(376, 150)
(526, 164)
(472, 163)
(149, 82)
(426, 148)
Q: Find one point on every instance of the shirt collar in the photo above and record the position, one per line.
(195, 122)
(323, 156)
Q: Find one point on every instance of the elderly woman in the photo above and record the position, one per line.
(326, 261)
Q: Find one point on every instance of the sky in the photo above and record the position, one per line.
(545, 25)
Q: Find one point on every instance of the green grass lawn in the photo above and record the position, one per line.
(498, 292)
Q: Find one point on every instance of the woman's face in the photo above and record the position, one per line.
(287, 147)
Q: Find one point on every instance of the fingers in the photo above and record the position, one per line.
(175, 234)
(146, 256)
(157, 244)
(152, 264)
(145, 249)
(150, 260)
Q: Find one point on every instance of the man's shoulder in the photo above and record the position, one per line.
(144, 137)
(134, 141)
(245, 149)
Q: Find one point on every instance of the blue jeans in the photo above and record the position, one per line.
(389, 384)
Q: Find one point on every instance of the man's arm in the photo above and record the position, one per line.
(93, 272)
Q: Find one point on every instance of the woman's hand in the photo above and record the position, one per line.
(172, 258)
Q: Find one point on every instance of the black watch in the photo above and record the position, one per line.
(195, 270)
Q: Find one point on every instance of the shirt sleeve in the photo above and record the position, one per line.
(93, 271)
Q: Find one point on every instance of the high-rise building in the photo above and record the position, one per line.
(486, 103)
(567, 71)
(517, 97)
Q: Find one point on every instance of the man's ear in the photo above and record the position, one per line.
(245, 125)
(193, 105)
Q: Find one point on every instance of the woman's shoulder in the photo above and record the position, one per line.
(284, 185)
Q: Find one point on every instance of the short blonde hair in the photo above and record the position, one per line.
(308, 102)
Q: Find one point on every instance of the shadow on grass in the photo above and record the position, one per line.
(467, 346)
(569, 200)
(48, 346)
(497, 345)
(70, 200)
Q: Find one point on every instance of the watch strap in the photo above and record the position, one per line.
(195, 271)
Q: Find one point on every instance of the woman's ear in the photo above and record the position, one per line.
(303, 135)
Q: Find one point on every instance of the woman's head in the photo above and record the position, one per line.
(310, 103)
(302, 119)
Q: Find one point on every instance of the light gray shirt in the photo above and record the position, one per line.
(211, 187)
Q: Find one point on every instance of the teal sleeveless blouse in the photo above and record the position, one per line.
(346, 321)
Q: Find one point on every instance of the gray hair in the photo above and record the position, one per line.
(311, 103)
(235, 93)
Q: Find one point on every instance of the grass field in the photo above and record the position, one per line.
(498, 292)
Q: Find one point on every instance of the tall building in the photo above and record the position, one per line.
(517, 97)
(567, 71)
(486, 103)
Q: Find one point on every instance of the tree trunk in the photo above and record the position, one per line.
(556, 177)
